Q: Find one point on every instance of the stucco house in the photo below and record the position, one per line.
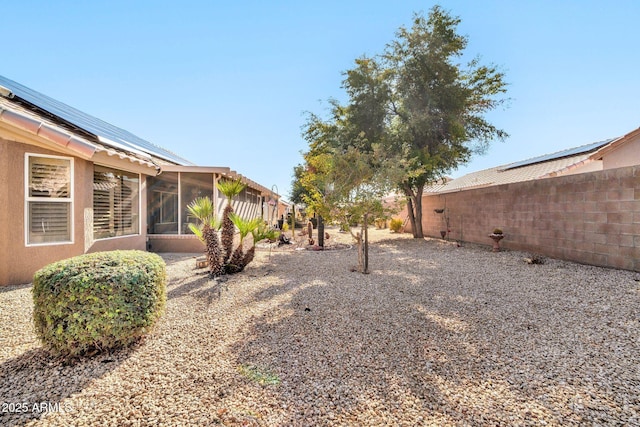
(71, 183)
(621, 152)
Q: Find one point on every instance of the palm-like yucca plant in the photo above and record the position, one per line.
(229, 188)
(237, 261)
(261, 232)
(207, 231)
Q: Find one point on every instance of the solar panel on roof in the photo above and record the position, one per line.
(105, 131)
(558, 155)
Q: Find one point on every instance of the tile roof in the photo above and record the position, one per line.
(535, 168)
(37, 124)
(106, 133)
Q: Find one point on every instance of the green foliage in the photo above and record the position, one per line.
(298, 192)
(245, 227)
(98, 301)
(202, 209)
(497, 231)
(231, 260)
(414, 114)
(263, 231)
(262, 376)
(231, 187)
(239, 260)
(395, 225)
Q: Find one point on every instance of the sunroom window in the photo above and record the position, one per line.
(49, 199)
(116, 203)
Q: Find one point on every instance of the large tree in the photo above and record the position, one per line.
(418, 105)
(414, 114)
(343, 178)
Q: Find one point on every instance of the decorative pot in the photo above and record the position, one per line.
(496, 241)
(443, 233)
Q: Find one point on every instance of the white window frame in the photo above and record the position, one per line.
(139, 202)
(28, 199)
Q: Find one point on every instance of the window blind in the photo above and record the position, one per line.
(49, 203)
(115, 203)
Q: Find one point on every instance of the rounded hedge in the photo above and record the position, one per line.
(98, 301)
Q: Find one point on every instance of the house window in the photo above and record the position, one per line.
(167, 203)
(192, 186)
(162, 203)
(49, 199)
(168, 198)
(116, 204)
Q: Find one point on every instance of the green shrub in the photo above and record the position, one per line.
(395, 225)
(98, 301)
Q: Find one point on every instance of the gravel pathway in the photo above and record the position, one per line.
(435, 335)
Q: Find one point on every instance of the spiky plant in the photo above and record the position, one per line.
(230, 188)
(259, 233)
(207, 231)
(236, 263)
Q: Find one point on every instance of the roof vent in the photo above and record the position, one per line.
(5, 92)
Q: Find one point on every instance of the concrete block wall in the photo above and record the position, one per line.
(591, 218)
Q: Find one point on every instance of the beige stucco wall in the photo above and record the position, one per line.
(4, 210)
(626, 155)
(175, 243)
(18, 262)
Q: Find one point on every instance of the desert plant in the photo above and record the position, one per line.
(207, 231)
(261, 232)
(395, 225)
(237, 261)
(230, 188)
(99, 301)
(380, 223)
(261, 375)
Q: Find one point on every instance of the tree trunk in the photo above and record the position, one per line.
(213, 251)
(412, 217)
(366, 244)
(320, 231)
(226, 235)
(360, 243)
(414, 207)
(293, 223)
(417, 205)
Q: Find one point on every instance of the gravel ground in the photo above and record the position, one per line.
(435, 335)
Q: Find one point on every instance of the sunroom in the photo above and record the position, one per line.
(170, 193)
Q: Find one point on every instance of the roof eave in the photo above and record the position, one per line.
(78, 146)
(615, 144)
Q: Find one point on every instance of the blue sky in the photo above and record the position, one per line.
(228, 83)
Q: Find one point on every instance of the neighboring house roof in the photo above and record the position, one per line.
(544, 166)
(607, 149)
(80, 123)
